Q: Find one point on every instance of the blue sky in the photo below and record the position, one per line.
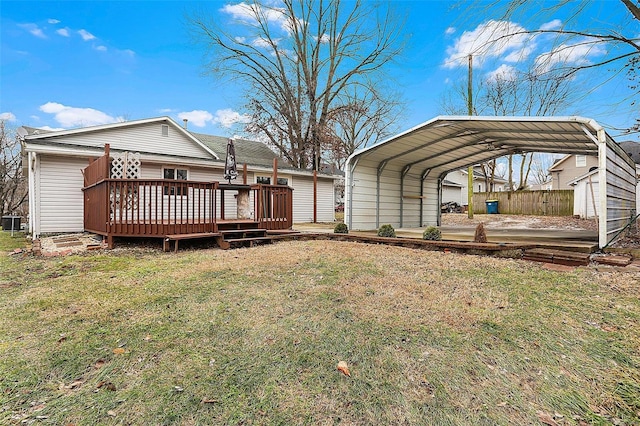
(68, 64)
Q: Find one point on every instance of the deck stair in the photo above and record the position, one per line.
(234, 233)
(561, 257)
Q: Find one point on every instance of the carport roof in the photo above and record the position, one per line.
(448, 143)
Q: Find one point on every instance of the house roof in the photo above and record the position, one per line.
(632, 149)
(446, 182)
(250, 152)
(35, 134)
(448, 143)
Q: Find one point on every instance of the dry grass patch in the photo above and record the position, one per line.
(253, 336)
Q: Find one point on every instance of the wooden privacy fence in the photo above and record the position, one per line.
(538, 203)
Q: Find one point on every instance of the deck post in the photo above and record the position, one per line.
(275, 171)
(244, 173)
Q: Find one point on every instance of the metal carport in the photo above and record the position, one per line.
(399, 181)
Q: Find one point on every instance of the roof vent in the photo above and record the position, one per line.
(165, 130)
(185, 121)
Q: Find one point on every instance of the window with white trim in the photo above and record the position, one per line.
(174, 174)
(581, 161)
(266, 180)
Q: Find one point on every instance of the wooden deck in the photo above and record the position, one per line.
(175, 210)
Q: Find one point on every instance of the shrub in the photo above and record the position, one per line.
(386, 231)
(341, 228)
(432, 233)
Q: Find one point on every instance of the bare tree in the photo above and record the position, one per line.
(300, 65)
(13, 186)
(368, 115)
(517, 92)
(617, 43)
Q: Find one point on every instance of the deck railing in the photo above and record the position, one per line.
(273, 206)
(156, 208)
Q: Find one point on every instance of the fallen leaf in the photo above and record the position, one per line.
(111, 413)
(178, 389)
(344, 368)
(208, 401)
(74, 384)
(99, 364)
(546, 419)
(119, 351)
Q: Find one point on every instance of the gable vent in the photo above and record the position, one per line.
(165, 130)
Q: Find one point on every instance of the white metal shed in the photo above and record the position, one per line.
(399, 181)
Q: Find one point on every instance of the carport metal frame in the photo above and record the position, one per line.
(448, 143)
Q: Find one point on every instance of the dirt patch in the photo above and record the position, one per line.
(494, 221)
(62, 245)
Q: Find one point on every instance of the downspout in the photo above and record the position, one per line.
(404, 172)
(31, 158)
(349, 184)
(381, 167)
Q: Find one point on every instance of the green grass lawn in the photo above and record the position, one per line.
(253, 336)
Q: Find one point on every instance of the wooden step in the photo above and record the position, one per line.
(244, 231)
(177, 237)
(561, 257)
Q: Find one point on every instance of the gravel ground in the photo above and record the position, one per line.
(517, 221)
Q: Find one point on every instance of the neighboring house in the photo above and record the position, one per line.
(55, 160)
(545, 186)
(586, 189)
(455, 185)
(570, 167)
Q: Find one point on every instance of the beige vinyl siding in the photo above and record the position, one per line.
(61, 200)
(141, 138)
(303, 199)
(568, 171)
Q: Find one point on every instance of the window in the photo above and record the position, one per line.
(165, 130)
(581, 161)
(266, 180)
(174, 174)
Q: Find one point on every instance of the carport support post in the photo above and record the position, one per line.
(602, 187)
(470, 192)
(405, 170)
(381, 167)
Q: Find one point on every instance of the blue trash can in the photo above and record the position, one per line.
(492, 206)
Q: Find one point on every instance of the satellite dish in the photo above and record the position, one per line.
(22, 132)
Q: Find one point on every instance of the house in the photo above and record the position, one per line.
(586, 188)
(163, 150)
(570, 167)
(455, 185)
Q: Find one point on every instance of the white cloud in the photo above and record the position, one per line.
(64, 32)
(228, 117)
(450, 30)
(86, 35)
(51, 129)
(71, 117)
(576, 54)
(101, 48)
(33, 29)
(492, 39)
(551, 25)
(503, 72)
(324, 38)
(248, 12)
(198, 118)
(165, 110)
(8, 116)
(53, 21)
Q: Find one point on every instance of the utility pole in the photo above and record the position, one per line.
(470, 169)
